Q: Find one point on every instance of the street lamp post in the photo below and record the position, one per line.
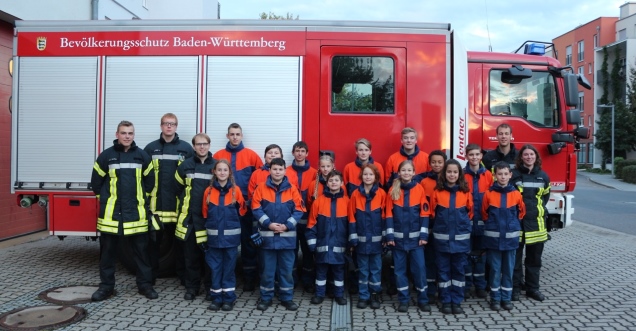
(612, 107)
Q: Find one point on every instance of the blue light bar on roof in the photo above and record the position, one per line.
(534, 49)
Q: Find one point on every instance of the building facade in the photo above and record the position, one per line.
(624, 47)
(14, 220)
(576, 48)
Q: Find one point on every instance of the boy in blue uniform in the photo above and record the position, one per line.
(502, 210)
(277, 206)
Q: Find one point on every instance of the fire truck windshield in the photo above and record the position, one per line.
(533, 98)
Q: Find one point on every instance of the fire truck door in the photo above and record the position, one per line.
(362, 95)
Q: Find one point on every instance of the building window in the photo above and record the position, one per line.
(589, 68)
(581, 52)
(581, 98)
(595, 40)
(580, 70)
(362, 84)
(568, 55)
(589, 120)
(622, 35)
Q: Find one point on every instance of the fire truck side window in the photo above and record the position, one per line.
(362, 84)
(532, 98)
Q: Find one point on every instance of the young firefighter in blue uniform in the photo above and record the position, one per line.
(479, 180)
(407, 214)
(304, 174)
(327, 231)
(223, 206)
(191, 179)
(277, 206)
(244, 162)
(452, 206)
(436, 161)
(122, 179)
(502, 210)
(366, 209)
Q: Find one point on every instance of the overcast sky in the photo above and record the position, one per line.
(510, 22)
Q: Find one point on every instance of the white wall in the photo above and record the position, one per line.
(187, 9)
(47, 10)
(113, 9)
(122, 9)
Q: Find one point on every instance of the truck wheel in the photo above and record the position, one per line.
(167, 255)
(554, 223)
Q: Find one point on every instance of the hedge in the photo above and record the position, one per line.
(629, 174)
(620, 165)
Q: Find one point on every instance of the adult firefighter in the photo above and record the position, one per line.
(167, 153)
(122, 178)
(192, 178)
(534, 185)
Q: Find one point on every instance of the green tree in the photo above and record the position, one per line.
(605, 75)
(272, 16)
(624, 116)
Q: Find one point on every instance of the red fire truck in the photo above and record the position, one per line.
(327, 83)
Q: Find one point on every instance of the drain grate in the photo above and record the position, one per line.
(41, 317)
(68, 295)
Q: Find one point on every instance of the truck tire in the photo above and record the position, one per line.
(167, 256)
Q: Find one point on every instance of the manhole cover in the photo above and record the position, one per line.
(68, 295)
(41, 317)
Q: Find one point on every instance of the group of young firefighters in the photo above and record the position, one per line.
(439, 220)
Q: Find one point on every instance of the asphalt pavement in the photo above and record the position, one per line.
(587, 277)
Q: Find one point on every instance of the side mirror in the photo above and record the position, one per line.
(582, 132)
(573, 116)
(519, 71)
(583, 82)
(562, 138)
(570, 82)
(555, 148)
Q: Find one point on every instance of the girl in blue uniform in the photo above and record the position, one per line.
(223, 206)
(407, 212)
(452, 207)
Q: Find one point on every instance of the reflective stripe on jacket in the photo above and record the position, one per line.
(478, 183)
(277, 204)
(453, 211)
(191, 179)
(166, 157)
(367, 211)
(534, 186)
(222, 217)
(329, 229)
(502, 210)
(122, 180)
(407, 217)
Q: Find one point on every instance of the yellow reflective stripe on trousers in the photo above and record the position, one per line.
(202, 236)
(112, 199)
(99, 170)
